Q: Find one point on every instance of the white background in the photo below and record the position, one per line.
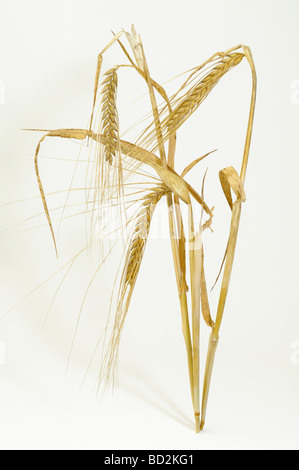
(47, 62)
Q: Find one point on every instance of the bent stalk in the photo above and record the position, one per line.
(117, 160)
(235, 222)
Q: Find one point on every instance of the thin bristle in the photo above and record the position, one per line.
(188, 103)
(191, 102)
(141, 233)
(132, 265)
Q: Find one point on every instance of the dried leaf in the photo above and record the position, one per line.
(205, 307)
(135, 43)
(194, 163)
(230, 180)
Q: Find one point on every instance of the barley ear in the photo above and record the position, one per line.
(135, 253)
(109, 115)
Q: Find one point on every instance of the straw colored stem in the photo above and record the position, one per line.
(182, 285)
(188, 342)
(249, 57)
(196, 337)
(221, 305)
(196, 332)
(213, 342)
(172, 224)
(195, 257)
(182, 292)
(154, 109)
(235, 222)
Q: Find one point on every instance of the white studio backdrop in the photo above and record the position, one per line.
(47, 63)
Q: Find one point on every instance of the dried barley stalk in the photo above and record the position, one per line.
(126, 156)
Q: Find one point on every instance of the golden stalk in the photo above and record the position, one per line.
(195, 275)
(116, 157)
(235, 222)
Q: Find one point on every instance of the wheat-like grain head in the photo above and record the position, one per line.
(131, 269)
(141, 232)
(109, 115)
(107, 172)
(191, 102)
(184, 107)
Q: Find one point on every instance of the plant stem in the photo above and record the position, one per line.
(188, 342)
(213, 342)
(235, 222)
(195, 256)
(182, 292)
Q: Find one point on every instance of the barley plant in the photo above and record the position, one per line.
(115, 164)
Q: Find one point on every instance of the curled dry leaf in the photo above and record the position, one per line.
(230, 180)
